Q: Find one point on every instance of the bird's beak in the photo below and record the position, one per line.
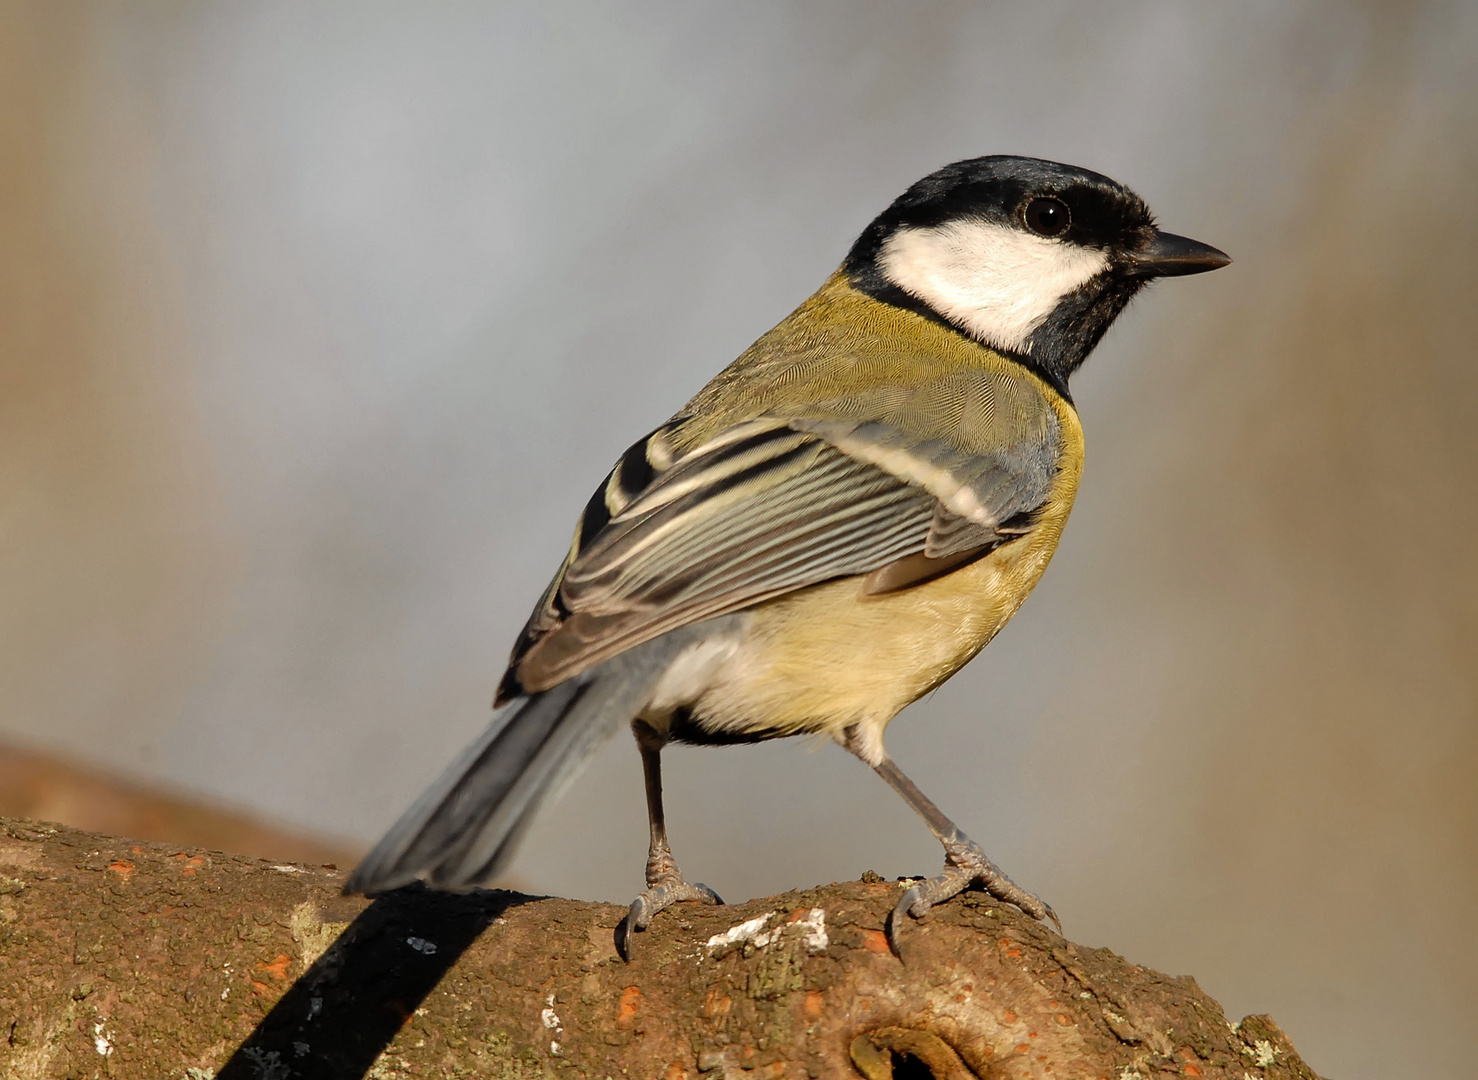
(1168, 255)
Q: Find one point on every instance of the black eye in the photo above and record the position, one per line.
(1047, 217)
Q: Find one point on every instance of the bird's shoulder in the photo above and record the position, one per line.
(844, 356)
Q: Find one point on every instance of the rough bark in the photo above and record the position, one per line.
(143, 960)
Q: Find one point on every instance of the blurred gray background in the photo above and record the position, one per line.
(318, 324)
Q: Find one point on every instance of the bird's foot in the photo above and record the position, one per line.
(659, 895)
(965, 865)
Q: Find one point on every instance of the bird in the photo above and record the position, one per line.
(831, 528)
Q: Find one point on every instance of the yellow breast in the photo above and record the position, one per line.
(831, 656)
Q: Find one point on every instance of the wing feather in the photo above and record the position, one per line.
(767, 507)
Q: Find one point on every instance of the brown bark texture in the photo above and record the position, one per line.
(140, 960)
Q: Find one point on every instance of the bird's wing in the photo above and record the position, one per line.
(767, 507)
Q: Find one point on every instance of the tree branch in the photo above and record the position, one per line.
(144, 960)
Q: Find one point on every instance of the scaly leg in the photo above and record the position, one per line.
(665, 884)
(965, 865)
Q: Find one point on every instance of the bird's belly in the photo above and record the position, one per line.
(828, 658)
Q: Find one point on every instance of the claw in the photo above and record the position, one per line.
(905, 903)
(658, 898)
(623, 937)
(637, 918)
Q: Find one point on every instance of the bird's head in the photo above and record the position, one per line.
(1029, 257)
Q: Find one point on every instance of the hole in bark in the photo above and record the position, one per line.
(908, 1067)
(894, 1053)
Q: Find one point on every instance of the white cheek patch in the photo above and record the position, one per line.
(998, 282)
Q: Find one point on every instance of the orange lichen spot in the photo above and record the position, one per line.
(277, 968)
(136, 850)
(628, 1006)
(875, 941)
(1191, 1058)
(815, 1005)
(192, 862)
(1064, 1019)
(1010, 1016)
(1021, 1048)
(716, 1004)
(798, 914)
(122, 867)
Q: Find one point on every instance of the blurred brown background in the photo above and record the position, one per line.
(318, 323)
(43, 787)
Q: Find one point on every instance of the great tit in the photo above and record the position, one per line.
(832, 527)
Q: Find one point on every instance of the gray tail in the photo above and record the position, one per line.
(464, 829)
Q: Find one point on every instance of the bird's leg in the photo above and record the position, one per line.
(665, 884)
(965, 865)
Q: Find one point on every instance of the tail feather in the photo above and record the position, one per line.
(463, 830)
